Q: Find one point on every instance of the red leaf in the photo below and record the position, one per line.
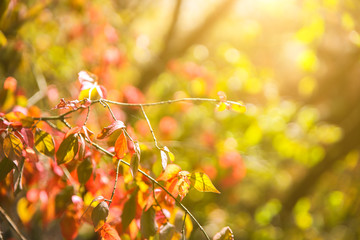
(107, 131)
(121, 146)
(69, 226)
(109, 233)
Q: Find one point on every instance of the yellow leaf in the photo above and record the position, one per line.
(67, 149)
(221, 107)
(238, 108)
(202, 182)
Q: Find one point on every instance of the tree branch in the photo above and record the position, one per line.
(11, 223)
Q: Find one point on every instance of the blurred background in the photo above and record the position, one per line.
(288, 168)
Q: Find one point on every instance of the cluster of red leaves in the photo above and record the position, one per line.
(70, 172)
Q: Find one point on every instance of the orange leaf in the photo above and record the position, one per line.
(121, 146)
(109, 233)
(69, 226)
(170, 172)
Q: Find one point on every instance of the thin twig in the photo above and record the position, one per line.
(183, 231)
(157, 183)
(151, 130)
(116, 179)
(107, 105)
(156, 201)
(168, 102)
(11, 223)
(87, 115)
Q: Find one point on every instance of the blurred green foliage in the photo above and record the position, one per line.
(295, 64)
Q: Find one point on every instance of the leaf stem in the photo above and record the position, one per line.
(151, 129)
(183, 231)
(107, 105)
(116, 179)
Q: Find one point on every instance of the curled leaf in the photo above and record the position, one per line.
(202, 182)
(225, 234)
(164, 159)
(99, 215)
(134, 165)
(107, 131)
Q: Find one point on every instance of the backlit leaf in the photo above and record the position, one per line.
(148, 225)
(6, 165)
(202, 182)
(109, 233)
(44, 143)
(238, 108)
(12, 147)
(27, 121)
(121, 146)
(67, 149)
(84, 170)
(107, 131)
(170, 172)
(221, 106)
(99, 215)
(225, 234)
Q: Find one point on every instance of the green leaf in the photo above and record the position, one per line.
(202, 182)
(63, 198)
(67, 150)
(134, 165)
(13, 147)
(6, 165)
(148, 225)
(167, 231)
(44, 143)
(225, 234)
(129, 210)
(84, 170)
(99, 215)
